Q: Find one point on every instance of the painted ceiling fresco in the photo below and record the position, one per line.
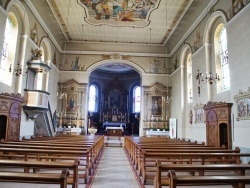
(119, 12)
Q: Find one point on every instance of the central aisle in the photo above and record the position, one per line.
(114, 170)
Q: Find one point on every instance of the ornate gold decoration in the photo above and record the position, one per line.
(104, 56)
(37, 54)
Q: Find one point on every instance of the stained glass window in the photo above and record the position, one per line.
(137, 99)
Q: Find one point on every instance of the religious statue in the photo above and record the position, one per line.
(37, 54)
(55, 118)
(191, 117)
(33, 34)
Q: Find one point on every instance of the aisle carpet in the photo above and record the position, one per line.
(114, 170)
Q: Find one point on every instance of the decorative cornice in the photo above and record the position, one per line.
(195, 24)
(110, 53)
(3, 11)
(14, 95)
(34, 11)
(246, 8)
(176, 24)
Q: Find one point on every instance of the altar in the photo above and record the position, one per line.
(114, 124)
(114, 131)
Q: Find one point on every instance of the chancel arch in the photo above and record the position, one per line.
(115, 78)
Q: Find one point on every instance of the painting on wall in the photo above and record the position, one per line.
(72, 103)
(115, 99)
(200, 116)
(243, 105)
(156, 105)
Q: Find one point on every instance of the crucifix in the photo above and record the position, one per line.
(198, 78)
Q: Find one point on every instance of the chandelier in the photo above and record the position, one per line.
(208, 79)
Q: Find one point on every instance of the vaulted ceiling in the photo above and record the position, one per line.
(159, 23)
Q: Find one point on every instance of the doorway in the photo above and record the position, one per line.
(3, 125)
(223, 132)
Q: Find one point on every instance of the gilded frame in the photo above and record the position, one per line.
(242, 100)
(157, 105)
(200, 115)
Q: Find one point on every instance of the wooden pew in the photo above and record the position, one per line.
(160, 180)
(199, 158)
(20, 177)
(184, 149)
(235, 181)
(53, 154)
(94, 145)
(134, 145)
(45, 165)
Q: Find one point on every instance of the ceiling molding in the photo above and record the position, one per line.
(110, 53)
(3, 11)
(57, 20)
(38, 17)
(195, 24)
(238, 15)
(167, 55)
(115, 43)
(177, 23)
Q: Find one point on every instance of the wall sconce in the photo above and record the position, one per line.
(209, 78)
(17, 71)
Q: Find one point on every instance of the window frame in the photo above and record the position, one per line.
(96, 98)
(135, 98)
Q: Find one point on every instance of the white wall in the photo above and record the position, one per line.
(238, 49)
(238, 32)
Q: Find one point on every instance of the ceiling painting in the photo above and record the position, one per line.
(133, 13)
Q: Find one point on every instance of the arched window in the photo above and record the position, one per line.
(9, 49)
(93, 96)
(221, 58)
(225, 74)
(189, 79)
(137, 99)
